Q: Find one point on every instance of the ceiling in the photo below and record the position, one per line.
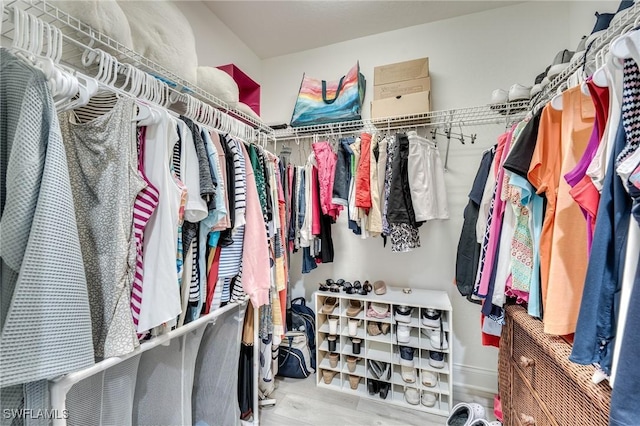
(274, 28)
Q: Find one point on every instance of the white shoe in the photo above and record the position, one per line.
(428, 378)
(466, 413)
(518, 92)
(412, 396)
(403, 333)
(437, 339)
(333, 325)
(428, 399)
(537, 88)
(353, 327)
(499, 96)
(408, 374)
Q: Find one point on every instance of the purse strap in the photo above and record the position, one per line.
(324, 91)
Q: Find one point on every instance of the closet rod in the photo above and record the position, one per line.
(471, 116)
(79, 36)
(600, 46)
(60, 386)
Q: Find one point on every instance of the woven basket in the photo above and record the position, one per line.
(566, 391)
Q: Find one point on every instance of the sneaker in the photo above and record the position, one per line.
(428, 378)
(560, 63)
(408, 374)
(518, 92)
(403, 314)
(406, 356)
(403, 333)
(436, 359)
(431, 318)
(466, 414)
(428, 399)
(412, 396)
(437, 338)
(499, 96)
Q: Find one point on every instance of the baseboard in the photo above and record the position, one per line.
(474, 384)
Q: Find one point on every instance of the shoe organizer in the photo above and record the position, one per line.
(385, 347)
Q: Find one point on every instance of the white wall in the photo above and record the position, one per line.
(216, 44)
(469, 57)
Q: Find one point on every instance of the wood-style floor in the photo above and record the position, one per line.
(301, 403)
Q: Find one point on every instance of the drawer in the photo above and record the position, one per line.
(526, 354)
(525, 407)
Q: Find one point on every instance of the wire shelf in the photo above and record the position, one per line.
(618, 26)
(79, 36)
(485, 114)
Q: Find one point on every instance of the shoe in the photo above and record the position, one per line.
(353, 327)
(332, 343)
(373, 386)
(403, 333)
(355, 306)
(355, 346)
(373, 329)
(354, 381)
(436, 359)
(385, 327)
(428, 378)
(384, 389)
(560, 63)
(431, 318)
(499, 96)
(535, 89)
(323, 287)
(329, 305)
(367, 287)
(406, 356)
(351, 363)
(328, 375)
(379, 287)
(403, 314)
(333, 360)
(380, 370)
(378, 310)
(437, 338)
(333, 325)
(603, 20)
(518, 92)
(466, 414)
(581, 49)
(412, 396)
(408, 374)
(428, 399)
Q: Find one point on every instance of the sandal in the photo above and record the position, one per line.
(328, 375)
(354, 381)
(340, 282)
(367, 286)
(385, 327)
(355, 306)
(323, 287)
(357, 284)
(334, 288)
(329, 282)
(373, 328)
(347, 287)
(329, 305)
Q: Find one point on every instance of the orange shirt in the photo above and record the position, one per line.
(563, 243)
(544, 175)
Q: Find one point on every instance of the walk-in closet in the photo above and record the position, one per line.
(314, 213)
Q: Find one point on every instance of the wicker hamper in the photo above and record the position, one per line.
(539, 385)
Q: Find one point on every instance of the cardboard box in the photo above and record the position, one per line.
(413, 103)
(401, 71)
(401, 88)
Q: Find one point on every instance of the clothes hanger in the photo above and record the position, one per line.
(556, 101)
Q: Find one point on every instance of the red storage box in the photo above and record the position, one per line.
(249, 89)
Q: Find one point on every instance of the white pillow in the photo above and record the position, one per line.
(219, 84)
(242, 107)
(163, 34)
(104, 16)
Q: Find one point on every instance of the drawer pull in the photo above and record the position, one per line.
(526, 362)
(527, 420)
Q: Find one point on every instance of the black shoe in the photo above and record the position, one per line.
(384, 389)
(367, 287)
(373, 386)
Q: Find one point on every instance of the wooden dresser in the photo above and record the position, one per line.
(539, 385)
